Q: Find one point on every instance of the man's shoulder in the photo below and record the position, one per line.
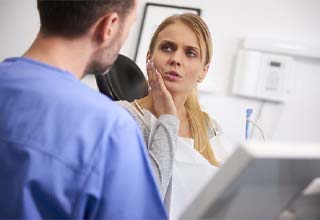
(59, 111)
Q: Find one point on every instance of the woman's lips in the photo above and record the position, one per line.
(172, 75)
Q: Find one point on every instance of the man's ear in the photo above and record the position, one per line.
(203, 74)
(107, 28)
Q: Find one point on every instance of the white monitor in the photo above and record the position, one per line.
(263, 181)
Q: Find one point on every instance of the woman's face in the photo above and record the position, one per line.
(178, 57)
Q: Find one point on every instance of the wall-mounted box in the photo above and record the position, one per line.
(262, 75)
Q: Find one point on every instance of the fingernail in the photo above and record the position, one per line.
(150, 64)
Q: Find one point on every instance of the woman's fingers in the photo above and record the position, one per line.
(161, 84)
(151, 74)
(162, 99)
(155, 80)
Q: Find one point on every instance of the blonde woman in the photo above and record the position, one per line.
(180, 137)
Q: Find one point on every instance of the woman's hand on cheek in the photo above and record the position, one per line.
(162, 99)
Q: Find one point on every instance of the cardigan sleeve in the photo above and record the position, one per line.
(161, 137)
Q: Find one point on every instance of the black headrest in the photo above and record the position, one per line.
(124, 81)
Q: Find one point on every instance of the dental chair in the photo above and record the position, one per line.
(124, 81)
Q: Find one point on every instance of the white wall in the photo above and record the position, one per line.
(230, 21)
(19, 24)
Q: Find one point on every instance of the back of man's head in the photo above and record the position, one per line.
(73, 18)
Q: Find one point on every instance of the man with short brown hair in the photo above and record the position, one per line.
(67, 151)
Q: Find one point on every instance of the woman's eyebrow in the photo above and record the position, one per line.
(168, 42)
(171, 43)
(193, 48)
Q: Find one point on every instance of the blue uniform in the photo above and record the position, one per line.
(67, 151)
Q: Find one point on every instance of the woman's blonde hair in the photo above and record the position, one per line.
(200, 121)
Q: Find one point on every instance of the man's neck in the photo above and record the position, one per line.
(71, 55)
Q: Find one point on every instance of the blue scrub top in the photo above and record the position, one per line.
(67, 151)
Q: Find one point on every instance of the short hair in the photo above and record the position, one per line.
(73, 18)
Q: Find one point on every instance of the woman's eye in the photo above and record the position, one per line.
(191, 53)
(166, 47)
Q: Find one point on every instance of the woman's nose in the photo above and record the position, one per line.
(175, 59)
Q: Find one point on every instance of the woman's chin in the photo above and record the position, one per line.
(174, 88)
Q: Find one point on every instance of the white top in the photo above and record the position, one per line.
(191, 172)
